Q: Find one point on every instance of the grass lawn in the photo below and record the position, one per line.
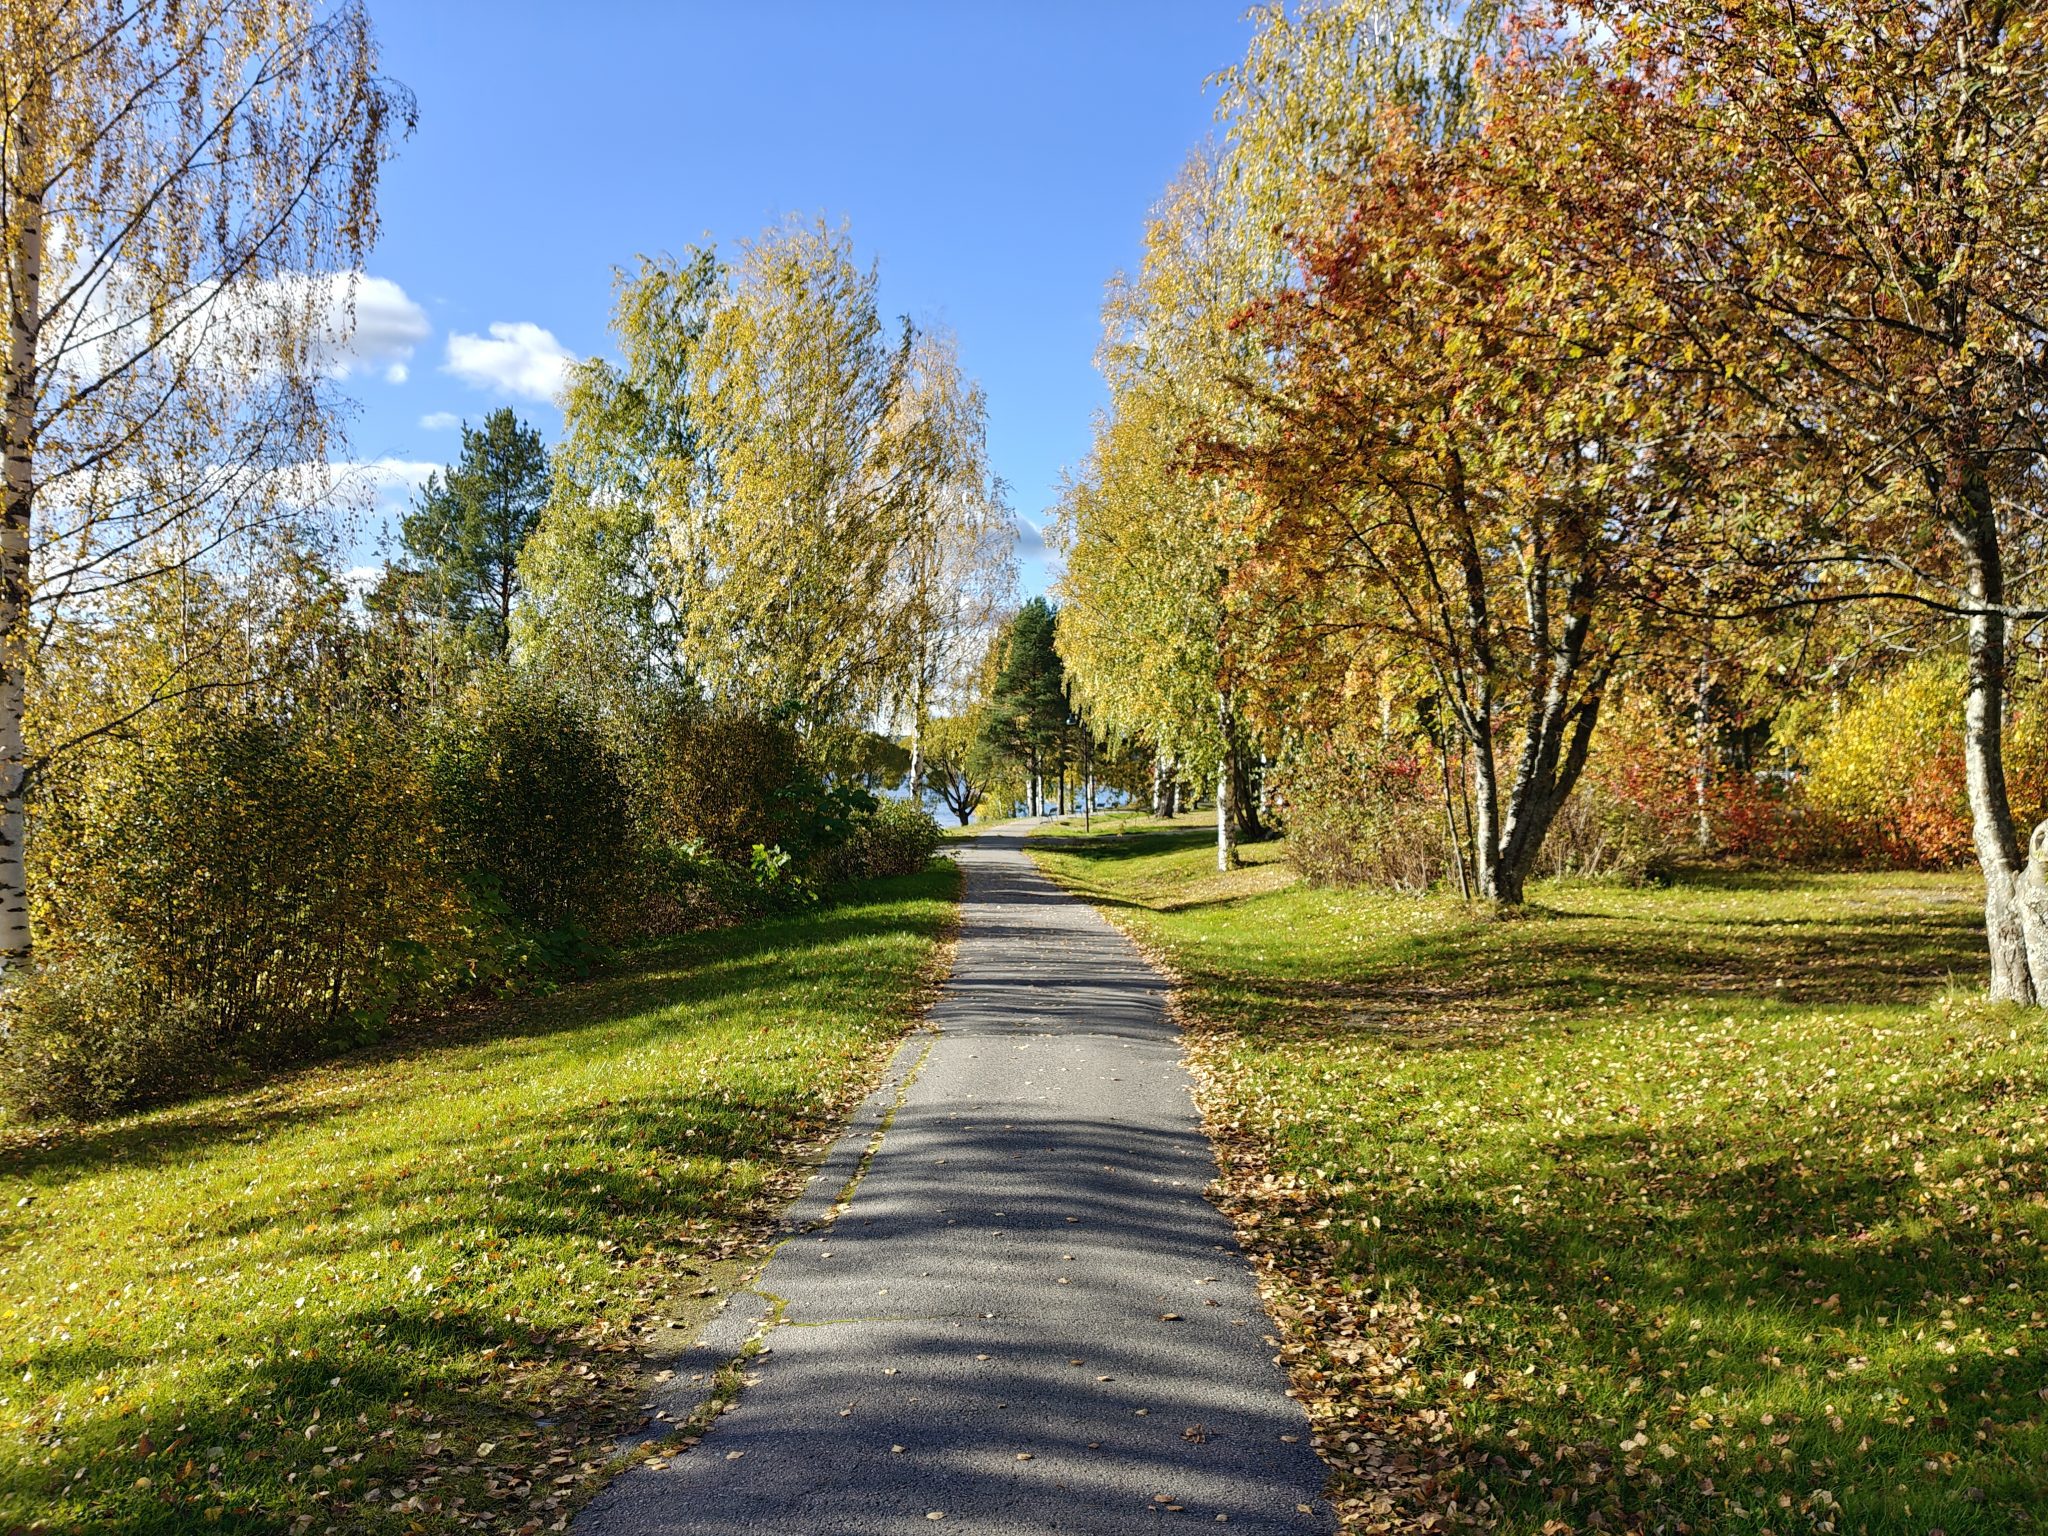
(1713, 1208)
(421, 1289)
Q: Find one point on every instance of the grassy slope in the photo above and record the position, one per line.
(342, 1301)
(1706, 1208)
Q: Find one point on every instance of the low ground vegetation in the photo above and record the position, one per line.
(423, 1287)
(237, 887)
(1871, 778)
(1717, 1207)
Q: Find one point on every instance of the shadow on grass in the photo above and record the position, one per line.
(1459, 970)
(383, 1288)
(243, 1420)
(1127, 844)
(1667, 1214)
(647, 978)
(1795, 1284)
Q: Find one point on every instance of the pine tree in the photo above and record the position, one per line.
(1029, 716)
(467, 528)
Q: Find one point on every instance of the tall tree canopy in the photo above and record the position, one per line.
(603, 566)
(804, 480)
(1152, 546)
(776, 499)
(186, 190)
(1148, 551)
(1843, 206)
(1464, 470)
(954, 569)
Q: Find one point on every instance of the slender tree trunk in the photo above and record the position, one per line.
(917, 708)
(1226, 846)
(1158, 785)
(1451, 825)
(1556, 735)
(17, 502)
(2008, 913)
(507, 578)
(1482, 811)
(1703, 748)
(1087, 786)
(1497, 883)
(1244, 796)
(1226, 849)
(1463, 778)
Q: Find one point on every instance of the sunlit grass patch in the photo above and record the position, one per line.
(419, 1288)
(1717, 1208)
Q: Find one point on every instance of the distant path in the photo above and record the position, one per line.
(1028, 1293)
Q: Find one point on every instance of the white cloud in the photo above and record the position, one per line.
(517, 358)
(388, 474)
(440, 421)
(383, 485)
(358, 324)
(388, 327)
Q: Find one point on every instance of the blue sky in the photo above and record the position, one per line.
(997, 160)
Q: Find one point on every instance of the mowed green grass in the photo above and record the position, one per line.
(422, 1289)
(1714, 1208)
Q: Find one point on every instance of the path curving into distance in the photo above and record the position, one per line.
(1027, 1293)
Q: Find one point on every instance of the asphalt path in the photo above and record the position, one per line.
(1026, 1318)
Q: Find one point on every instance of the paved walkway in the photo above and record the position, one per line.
(1028, 1319)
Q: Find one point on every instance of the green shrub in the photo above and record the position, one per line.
(233, 888)
(229, 891)
(895, 838)
(724, 784)
(1363, 815)
(88, 1037)
(534, 811)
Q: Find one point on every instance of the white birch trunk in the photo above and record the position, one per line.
(23, 323)
(1703, 764)
(2007, 908)
(1226, 847)
(1223, 820)
(917, 709)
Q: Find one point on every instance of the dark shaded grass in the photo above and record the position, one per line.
(426, 1249)
(1715, 1208)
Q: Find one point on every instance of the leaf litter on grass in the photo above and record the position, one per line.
(1617, 1220)
(427, 1289)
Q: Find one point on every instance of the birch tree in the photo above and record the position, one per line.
(955, 566)
(790, 537)
(1147, 555)
(185, 188)
(603, 568)
(1845, 205)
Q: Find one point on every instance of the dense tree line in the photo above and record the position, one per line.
(636, 682)
(1516, 377)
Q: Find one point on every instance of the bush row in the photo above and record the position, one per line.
(236, 887)
(1871, 780)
